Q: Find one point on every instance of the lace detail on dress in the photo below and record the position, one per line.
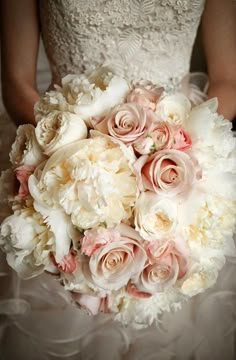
(149, 39)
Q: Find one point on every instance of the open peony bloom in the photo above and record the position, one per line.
(28, 242)
(169, 172)
(164, 267)
(91, 180)
(22, 174)
(146, 94)
(112, 265)
(90, 97)
(59, 128)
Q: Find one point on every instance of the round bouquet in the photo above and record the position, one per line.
(125, 192)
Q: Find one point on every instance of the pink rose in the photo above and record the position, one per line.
(132, 290)
(68, 263)
(95, 238)
(112, 265)
(161, 134)
(22, 174)
(92, 304)
(164, 267)
(146, 94)
(168, 171)
(182, 140)
(127, 123)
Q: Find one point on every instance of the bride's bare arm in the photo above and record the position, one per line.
(19, 48)
(219, 38)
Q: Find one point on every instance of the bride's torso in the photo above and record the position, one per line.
(139, 39)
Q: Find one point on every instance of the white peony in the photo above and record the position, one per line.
(26, 150)
(50, 101)
(89, 99)
(155, 217)
(211, 228)
(59, 128)
(174, 109)
(91, 180)
(27, 242)
(210, 132)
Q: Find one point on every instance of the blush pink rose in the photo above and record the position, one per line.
(182, 140)
(161, 134)
(95, 238)
(146, 94)
(171, 172)
(111, 266)
(22, 174)
(127, 123)
(91, 304)
(165, 266)
(69, 262)
(132, 290)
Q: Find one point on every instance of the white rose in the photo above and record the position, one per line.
(92, 180)
(199, 281)
(174, 108)
(145, 145)
(59, 128)
(155, 217)
(27, 242)
(93, 99)
(26, 150)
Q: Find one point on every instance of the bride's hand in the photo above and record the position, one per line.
(19, 46)
(219, 40)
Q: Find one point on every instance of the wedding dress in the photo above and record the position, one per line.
(153, 40)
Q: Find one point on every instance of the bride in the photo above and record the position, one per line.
(149, 39)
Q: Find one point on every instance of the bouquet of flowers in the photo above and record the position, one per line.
(125, 192)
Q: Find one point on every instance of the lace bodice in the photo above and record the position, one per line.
(149, 39)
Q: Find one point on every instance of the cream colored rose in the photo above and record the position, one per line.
(92, 180)
(26, 150)
(155, 217)
(112, 265)
(174, 108)
(27, 242)
(58, 129)
(199, 281)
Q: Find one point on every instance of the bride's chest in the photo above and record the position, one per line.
(109, 15)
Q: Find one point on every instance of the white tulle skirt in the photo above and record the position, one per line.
(39, 322)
